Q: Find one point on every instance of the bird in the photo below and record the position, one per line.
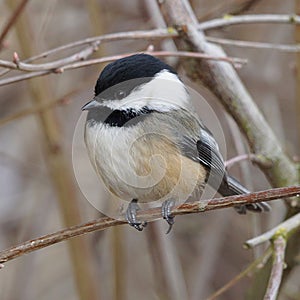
(147, 143)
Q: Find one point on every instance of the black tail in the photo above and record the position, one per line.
(233, 187)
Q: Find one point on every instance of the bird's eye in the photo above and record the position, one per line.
(120, 94)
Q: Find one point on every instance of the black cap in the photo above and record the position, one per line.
(138, 66)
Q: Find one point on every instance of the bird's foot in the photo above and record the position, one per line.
(131, 211)
(166, 213)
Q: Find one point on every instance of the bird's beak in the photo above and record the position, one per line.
(90, 105)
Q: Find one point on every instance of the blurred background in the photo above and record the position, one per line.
(39, 193)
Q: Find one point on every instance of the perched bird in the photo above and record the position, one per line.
(146, 142)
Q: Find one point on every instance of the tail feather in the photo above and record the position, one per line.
(232, 187)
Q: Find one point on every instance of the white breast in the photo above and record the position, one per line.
(112, 154)
(135, 164)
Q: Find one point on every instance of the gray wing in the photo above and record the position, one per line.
(209, 154)
(204, 149)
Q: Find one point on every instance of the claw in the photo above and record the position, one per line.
(131, 211)
(166, 213)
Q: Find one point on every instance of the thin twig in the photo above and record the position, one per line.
(228, 20)
(22, 77)
(149, 215)
(171, 32)
(255, 264)
(168, 32)
(288, 226)
(12, 20)
(81, 55)
(139, 34)
(230, 162)
(5, 71)
(8, 64)
(237, 62)
(279, 245)
(257, 45)
(67, 63)
(151, 34)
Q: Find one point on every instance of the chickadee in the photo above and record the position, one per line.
(146, 143)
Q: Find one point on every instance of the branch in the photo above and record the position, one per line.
(47, 68)
(81, 55)
(170, 32)
(149, 215)
(232, 161)
(67, 63)
(229, 20)
(258, 45)
(59, 66)
(287, 226)
(279, 245)
(139, 34)
(236, 62)
(23, 77)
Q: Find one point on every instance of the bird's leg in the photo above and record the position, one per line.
(131, 211)
(166, 213)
